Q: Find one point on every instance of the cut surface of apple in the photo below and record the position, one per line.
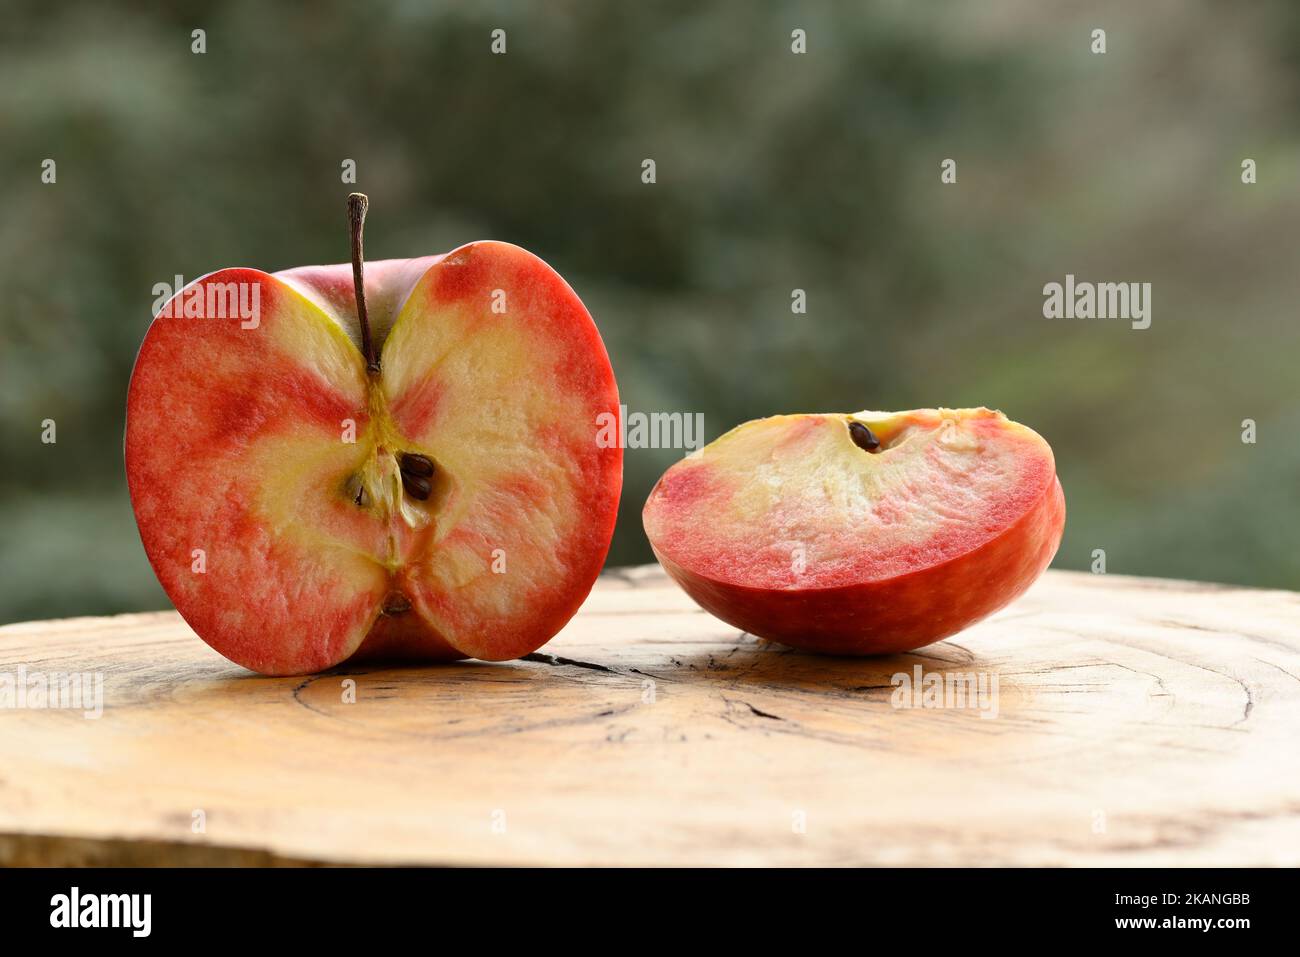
(869, 533)
(301, 508)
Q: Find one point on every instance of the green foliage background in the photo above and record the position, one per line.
(775, 171)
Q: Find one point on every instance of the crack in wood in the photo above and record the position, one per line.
(558, 661)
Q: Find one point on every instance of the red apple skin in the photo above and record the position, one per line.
(233, 445)
(872, 616)
(897, 614)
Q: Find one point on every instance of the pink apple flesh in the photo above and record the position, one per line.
(787, 528)
(264, 463)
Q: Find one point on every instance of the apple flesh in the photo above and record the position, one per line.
(302, 506)
(860, 534)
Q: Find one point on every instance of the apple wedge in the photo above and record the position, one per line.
(396, 459)
(870, 533)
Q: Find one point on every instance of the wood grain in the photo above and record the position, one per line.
(1139, 722)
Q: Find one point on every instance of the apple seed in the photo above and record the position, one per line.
(863, 437)
(413, 464)
(416, 486)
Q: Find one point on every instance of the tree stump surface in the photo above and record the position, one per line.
(1135, 722)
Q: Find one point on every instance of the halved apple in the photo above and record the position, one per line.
(859, 534)
(313, 486)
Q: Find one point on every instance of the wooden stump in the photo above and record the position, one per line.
(1138, 722)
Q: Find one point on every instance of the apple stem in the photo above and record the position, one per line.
(358, 203)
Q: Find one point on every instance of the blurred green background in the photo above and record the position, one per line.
(775, 171)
